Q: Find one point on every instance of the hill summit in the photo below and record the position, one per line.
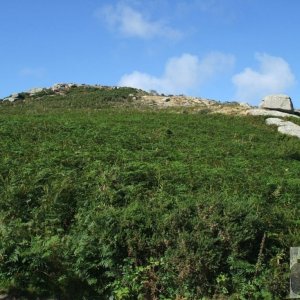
(74, 95)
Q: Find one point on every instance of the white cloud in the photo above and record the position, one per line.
(32, 72)
(209, 5)
(215, 10)
(132, 23)
(274, 76)
(181, 73)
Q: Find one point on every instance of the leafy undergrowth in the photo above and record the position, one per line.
(115, 203)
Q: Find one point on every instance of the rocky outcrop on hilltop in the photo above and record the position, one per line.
(13, 97)
(61, 87)
(272, 105)
(279, 106)
(276, 106)
(277, 102)
(58, 88)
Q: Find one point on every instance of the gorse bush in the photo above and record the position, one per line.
(115, 203)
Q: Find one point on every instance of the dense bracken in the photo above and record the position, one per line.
(99, 200)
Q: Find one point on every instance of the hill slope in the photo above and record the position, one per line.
(105, 198)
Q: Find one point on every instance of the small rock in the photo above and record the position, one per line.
(277, 102)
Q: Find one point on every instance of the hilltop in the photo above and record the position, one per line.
(84, 96)
(118, 193)
(136, 97)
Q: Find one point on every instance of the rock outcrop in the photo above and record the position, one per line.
(20, 96)
(13, 97)
(285, 127)
(59, 88)
(272, 105)
(266, 112)
(34, 91)
(277, 102)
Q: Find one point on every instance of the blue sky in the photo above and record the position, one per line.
(220, 49)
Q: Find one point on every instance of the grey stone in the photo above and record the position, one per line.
(277, 102)
(70, 85)
(275, 121)
(265, 112)
(285, 127)
(12, 97)
(244, 104)
(35, 91)
(59, 87)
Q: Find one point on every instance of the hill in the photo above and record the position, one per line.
(105, 194)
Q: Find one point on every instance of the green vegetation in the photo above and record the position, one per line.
(102, 201)
(78, 98)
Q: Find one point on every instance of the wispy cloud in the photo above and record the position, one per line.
(133, 23)
(32, 72)
(181, 73)
(219, 10)
(274, 75)
(210, 6)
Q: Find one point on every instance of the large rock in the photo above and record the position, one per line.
(35, 91)
(59, 86)
(285, 127)
(274, 113)
(277, 102)
(13, 97)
